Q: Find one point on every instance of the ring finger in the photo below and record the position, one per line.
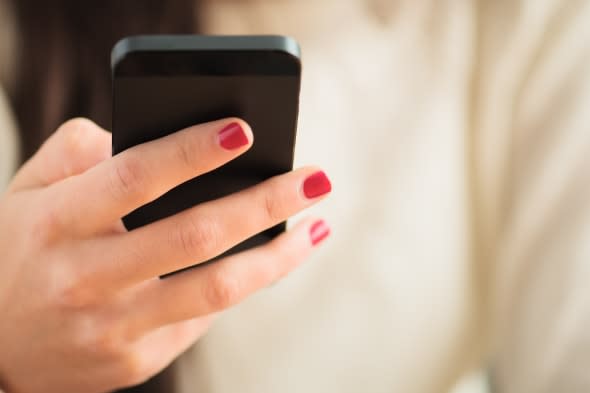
(218, 286)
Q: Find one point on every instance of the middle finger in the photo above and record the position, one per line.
(200, 233)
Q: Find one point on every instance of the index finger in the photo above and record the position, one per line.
(101, 196)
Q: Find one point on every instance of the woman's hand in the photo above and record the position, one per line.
(82, 308)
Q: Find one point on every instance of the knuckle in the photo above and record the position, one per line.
(46, 227)
(98, 338)
(199, 238)
(71, 129)
(274, 207)
(136, 368)
(70, 136)
(128, 178)
(69, 291)
(108, 344)
(79, 137)
(74, 134)
(73, 295)
(186, 148)
(223, 290)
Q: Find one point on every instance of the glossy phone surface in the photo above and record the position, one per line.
(162, 84)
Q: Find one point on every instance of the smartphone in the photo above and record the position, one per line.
(164, 83)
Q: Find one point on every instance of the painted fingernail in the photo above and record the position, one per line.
(316, 185)
(318, 232)
(233, 137)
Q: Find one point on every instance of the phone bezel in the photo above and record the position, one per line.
(167, 55)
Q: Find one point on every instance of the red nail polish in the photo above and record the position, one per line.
(318, 232)
(233, 137)
(316, 185)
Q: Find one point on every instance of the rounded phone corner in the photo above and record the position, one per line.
(288, 45)
(121, 50)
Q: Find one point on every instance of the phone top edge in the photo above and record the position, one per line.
(172, 43)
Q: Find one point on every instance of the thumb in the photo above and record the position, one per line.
(78, 145)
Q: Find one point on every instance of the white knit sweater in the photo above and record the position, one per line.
(457, 135)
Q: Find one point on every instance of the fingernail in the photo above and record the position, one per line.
(316, 185)
(318, 232)
(233, 137)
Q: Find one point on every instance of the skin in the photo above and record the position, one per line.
(83, 309)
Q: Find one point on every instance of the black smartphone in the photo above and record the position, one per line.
(164, 83)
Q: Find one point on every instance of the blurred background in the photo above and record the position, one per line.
(456, 136)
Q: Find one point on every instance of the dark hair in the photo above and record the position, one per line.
(63, 58)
